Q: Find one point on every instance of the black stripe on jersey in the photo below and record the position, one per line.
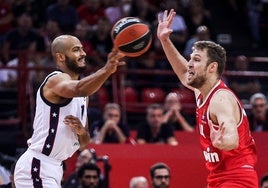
(43, 97)
(35, 172)
(53, 125)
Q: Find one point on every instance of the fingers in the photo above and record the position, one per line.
(171, 14)
(167, 16)
(115, 55)
(222, 128)
(159, 18)
(170, 17)
(71, 121)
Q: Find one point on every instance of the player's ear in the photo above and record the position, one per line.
(213, 67)
(60, 57)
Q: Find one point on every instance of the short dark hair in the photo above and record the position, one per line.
(88, 166)
(157, 166)
(154, 106)
(215, 53)
(264, 179)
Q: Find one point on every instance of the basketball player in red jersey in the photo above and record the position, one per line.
(222, 124)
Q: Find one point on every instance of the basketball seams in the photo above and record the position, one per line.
(131, 36)
(136, 39)
(114, 34)
(124, 36)
(128, 51)
(122, 23)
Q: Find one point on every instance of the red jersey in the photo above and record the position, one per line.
(220, 162)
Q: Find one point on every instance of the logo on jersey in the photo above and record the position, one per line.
(201, 130)
(211, 157)
(201, 125)
(203, 118)
(76, 144)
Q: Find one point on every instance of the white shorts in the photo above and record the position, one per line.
(34, 169)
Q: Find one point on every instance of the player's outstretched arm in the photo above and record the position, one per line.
(64, 86)
(177, 61)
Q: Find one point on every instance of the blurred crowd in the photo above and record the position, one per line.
(27, 28)
(32, 25)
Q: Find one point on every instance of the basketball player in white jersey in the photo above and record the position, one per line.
(60, 123)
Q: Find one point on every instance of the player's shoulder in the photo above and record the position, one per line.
(57, 76)
(222, 96)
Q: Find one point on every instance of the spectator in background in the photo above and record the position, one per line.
(138, 182)
(179, 27)
(258, 118)
(50, 32)
(6, 19)
(197, 15)
(36, 9)
(9, 77)
(23, 37)
(149, 63)
(91, 11)
(117, 9)
(202, 33)
(11, 184)
(142, 10)
(72, 181)
(264, 181)
(153, 130)
(101, 41)
(243, 86)
(65, 15)
(110, 129)
(113, 11)
(254, 8)
(154, 4)
(160, 175)
(89, 176)
(173, 115)
(82, 33)
(4, 175)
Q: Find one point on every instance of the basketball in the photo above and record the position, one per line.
(131, 36)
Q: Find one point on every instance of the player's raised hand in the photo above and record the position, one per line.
(164, 24)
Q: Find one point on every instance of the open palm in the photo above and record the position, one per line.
(164, 24)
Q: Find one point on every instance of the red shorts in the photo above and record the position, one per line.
(237, 178)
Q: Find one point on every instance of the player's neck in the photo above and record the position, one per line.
(206, 88)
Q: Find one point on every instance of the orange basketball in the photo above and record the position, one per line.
(131, 36)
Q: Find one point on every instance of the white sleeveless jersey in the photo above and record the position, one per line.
(50, 135)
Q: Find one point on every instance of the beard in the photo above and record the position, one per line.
(197, 82)
(72, 65)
